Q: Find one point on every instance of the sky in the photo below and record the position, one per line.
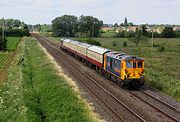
(110, 11)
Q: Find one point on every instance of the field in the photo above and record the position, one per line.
(162, 69)
(34, 91)
(3, 59)
(12, 43)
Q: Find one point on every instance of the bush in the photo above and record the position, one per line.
(156, 45)
(161, 48)
(125, 43)
(114, 43)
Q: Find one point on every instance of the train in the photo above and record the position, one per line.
(127, 70)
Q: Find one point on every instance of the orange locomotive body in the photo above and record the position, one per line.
(123, 68)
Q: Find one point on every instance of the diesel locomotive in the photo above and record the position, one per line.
(125, 69)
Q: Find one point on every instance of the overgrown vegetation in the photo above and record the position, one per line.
(37, 93)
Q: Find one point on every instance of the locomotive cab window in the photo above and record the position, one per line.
(140, 65)
(128, 64)
(134, 64)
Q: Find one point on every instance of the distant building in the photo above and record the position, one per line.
(129, 28)
(105, 29)
(176, 28)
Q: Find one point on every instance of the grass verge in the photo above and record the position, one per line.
(34, 91)
(12, 107)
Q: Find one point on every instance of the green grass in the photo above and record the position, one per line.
(12, 107)
(34, 92)
(162, 69)
(12, 43)
(3, 58)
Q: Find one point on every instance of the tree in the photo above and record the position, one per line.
(116, 25)
(121, 24)
(168, 32)
(89, 26)
(125, 22)
(66, 25)
(138, 37)
(144, 30)
(16, 23)
(130, 24)
(177, 34)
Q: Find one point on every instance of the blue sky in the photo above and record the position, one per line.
(110, 11)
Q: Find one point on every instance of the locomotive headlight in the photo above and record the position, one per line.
(142, 76)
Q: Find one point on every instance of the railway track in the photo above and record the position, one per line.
(161, 101)
(116, 106)
(164, 108)
(119, 109)
(157, 104)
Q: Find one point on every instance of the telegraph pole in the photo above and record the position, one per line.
(152, 39)
(93, 30)
(3, 30)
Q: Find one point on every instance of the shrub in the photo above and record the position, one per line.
(114, 43)
(125, 43)
(156, 45)
(161, 48)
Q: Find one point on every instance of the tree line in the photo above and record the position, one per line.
(166, 33)
(72, 26)
(14, 27)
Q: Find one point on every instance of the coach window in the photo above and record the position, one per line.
(111, 61)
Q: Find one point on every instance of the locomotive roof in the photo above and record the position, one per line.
(98, 49)
(122, 56)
